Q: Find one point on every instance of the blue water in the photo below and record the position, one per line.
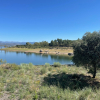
(2, 47)
(36, 59)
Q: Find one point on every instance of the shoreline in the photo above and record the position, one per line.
(45, 51)
(42, 65)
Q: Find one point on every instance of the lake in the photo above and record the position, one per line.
(2, 47)
(35, 59)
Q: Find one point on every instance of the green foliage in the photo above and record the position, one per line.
(3, 61)
(12, 67)
(87, 52)
(56, 64)
(35, 96)
(1, 86)
(61, 43)
(50, 68)
(27, 83)
(35, 45)
(47, 65)
(10, 88)
(43, 70)
(54, 43)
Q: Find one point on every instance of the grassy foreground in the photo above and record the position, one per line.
(60, 50)
(29, 82)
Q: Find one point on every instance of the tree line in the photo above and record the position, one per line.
(54, 43)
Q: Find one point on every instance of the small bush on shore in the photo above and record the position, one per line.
(56, 64)
(47, 65)
(11, 66)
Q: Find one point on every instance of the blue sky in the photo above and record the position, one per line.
(40, 20)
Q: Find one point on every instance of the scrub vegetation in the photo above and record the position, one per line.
(57, 82)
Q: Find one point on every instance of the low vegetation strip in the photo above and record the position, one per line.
(60, 51)
(29, 82)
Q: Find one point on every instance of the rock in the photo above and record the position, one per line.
(41, 51)
(70, 54)
(46, 51)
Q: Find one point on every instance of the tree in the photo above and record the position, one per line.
(55, 43)
(87, 52)
(52, 43)
(44, 44)
(59, 41)
(36, 44)
(28, 44)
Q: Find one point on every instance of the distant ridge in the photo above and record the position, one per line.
(12, 43)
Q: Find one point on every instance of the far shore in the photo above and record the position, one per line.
(56, 51)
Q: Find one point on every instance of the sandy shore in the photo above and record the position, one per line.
(46, 52)
(43, 50)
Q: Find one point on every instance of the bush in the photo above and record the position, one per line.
(3, 61)
(47, 65)
(56, 64)
(12, 66)
(43, 70)
(50, 68)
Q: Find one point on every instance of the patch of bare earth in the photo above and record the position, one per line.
(5, 96)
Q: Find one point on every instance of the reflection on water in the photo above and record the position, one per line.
(35, 58)
(60, 57)
(1, 47)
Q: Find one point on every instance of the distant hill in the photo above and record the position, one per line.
(2, 43)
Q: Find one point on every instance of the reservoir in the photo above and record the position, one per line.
(34, 58)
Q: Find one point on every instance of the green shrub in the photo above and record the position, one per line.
(12, 66)
(3, 61)
(30, 65)
(1, 71)
(47, 64)
(43, 70)
(35, 97)
(56, 64)
(50, 68)
(10, 88)
(25, 66)
(1, 86)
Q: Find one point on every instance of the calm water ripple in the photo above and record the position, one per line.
(36, 59)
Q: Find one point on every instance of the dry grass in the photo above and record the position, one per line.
(60, 50)
(29, 82)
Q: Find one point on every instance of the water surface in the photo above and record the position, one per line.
(35, 59)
